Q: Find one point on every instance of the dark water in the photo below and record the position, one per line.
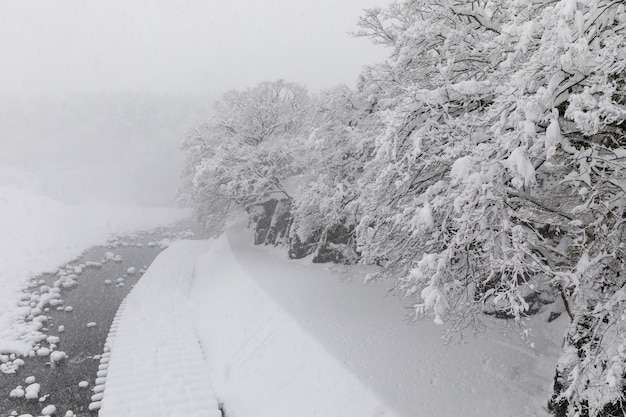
(92, 301)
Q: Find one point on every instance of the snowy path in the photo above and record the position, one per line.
(336, 347)
(156, 366)
(262, 362)
(286, 338)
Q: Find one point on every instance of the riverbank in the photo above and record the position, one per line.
(38, 234)
(68, 314)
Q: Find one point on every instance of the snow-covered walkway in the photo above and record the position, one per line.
(270, 337)
(156, 366)
(291, 338)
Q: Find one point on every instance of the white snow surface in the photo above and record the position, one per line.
(37, 234)
(286, 337)
(267, 336)
(157, 367)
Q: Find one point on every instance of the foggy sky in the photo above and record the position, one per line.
(179, 45)
(175, 56)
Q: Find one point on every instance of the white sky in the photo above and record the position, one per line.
(179, 45)
(204, 47)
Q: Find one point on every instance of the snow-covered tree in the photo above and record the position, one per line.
(500, 173)
(483, 166)
(325, 210)
(243, 155)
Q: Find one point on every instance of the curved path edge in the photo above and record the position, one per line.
(153, 364)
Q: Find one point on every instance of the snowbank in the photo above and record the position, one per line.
(38, 234)
(288, 338)
(262, 362)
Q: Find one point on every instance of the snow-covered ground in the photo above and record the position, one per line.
(289, 338)
(39, 234)
(156, 365)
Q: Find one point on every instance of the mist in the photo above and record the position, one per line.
(95, 98)
(113, 147)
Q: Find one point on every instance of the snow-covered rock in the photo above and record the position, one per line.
(17, 393)
(32, 391)
(58, 356)
(43, 351)
(94, 406)
(48, 410)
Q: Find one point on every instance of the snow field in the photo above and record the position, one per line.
(153, 364)
(262, 362)
(287, 337)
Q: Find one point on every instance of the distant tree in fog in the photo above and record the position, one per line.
(246, 151)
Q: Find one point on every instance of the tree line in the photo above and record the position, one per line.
(482, 166)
